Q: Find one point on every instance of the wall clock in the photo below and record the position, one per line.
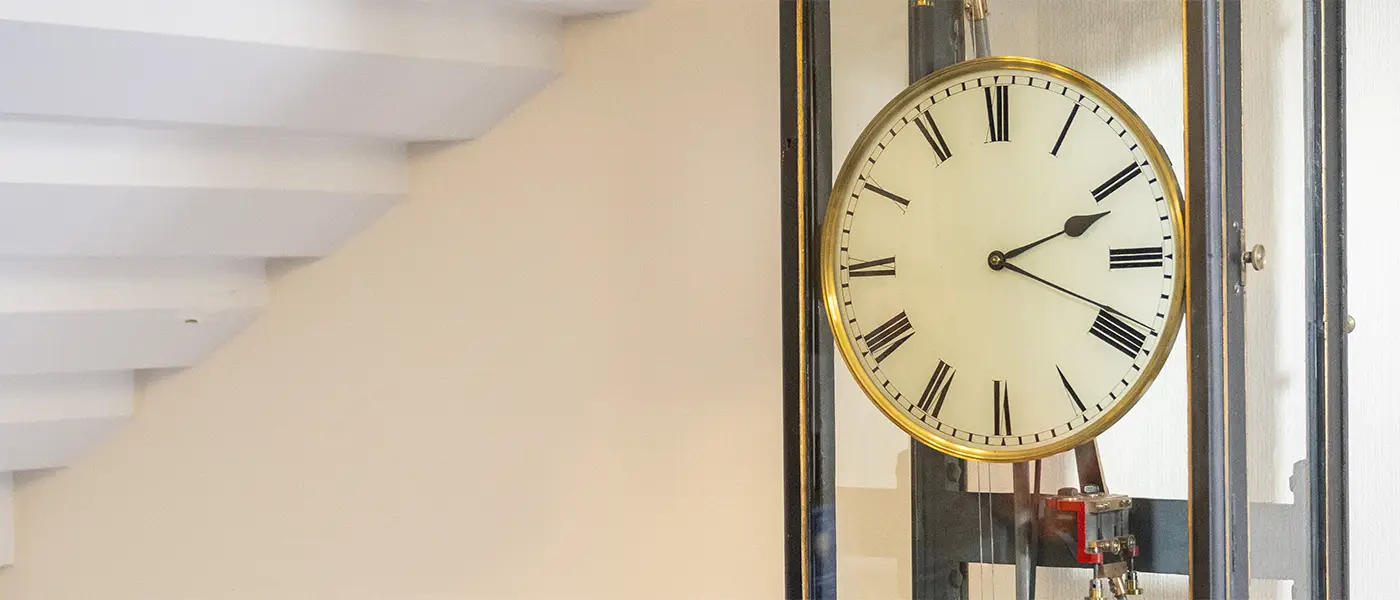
(1004, 259)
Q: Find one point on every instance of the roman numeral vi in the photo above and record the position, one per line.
(1001, 408)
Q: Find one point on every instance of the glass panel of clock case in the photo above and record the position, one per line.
(952, 361)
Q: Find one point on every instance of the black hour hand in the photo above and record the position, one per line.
(1074, 227)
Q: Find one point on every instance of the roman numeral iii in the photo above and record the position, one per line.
(1134, 258)
(1114, 332)
(1117, 181)
(937, 390)
(935, 138)
(998, 113)
(874, 268)
(1001, 408)
(889, 337)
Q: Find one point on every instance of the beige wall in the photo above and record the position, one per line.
(554, 372)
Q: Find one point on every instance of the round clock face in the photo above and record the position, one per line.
(1003, 259)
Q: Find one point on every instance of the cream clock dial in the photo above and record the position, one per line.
(1003, 259)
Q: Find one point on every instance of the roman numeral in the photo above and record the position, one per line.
(937, 389)
(875, 268)
(878, 190)
(935, 138)
(1069, 388)
(1114, 332)
(1063, 132)
(1001, 408)
(1134, 258)
(889, 337)
(998, 113)
(1118, 181)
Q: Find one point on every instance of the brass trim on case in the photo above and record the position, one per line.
(1157, 157)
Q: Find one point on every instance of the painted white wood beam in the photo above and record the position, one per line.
(48, 421)
(390, 70)
(82, 190)
(69, 316)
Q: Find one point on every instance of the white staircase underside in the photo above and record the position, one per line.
(50, 420)
(153, 154)
(73, 316)
(86, 190)
(150, 77)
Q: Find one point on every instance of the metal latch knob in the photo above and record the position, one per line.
(1254, 257)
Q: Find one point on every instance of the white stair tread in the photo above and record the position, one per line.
(103, 74)
(82, 190)
(48, 421)
(66, 316)
(132, 221)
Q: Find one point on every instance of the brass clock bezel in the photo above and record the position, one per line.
(1157, 157)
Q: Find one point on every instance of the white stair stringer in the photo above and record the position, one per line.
(407, 71)
(106, 191)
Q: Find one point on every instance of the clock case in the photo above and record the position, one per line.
(1207, 536)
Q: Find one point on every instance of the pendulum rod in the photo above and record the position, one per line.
(1026, 504)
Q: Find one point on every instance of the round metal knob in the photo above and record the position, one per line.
(1350, 324)
(1254, 257)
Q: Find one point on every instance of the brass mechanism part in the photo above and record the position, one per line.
(1254, 257)
(1350, 325)
(977, 9)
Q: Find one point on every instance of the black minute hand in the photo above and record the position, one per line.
(1011, 267)
(1074, 227)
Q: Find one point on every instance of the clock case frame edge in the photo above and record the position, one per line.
(809, 425)
(1157, 156)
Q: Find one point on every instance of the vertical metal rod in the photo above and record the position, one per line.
(1325, 222)
(1027, 528)
(1219, 508)
(936, 40)
(977, 20)
(1086, 462)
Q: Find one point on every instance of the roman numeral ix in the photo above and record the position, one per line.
(935, 138)
(1118, 181)
(874, 268)
(1001, 408)
(998, 113)
(1134, 258)
(1114, 332)
(889, 337)
(937, 389)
